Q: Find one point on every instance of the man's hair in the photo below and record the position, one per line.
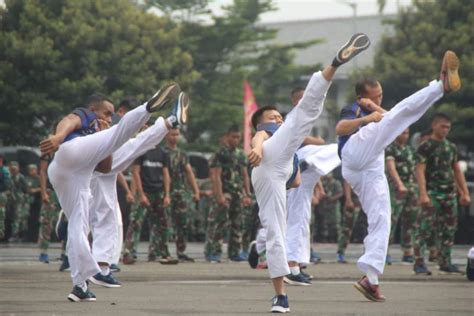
(441, 117)
(128, 103)
(258, 114)
(233, 129)
(362, 83)
(96, 99)
(296, 90)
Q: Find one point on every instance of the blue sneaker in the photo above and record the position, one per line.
(421, 269)
(179, 114)
(299, 279)
(238, 258)
(341, 258)
(315, 257)
(114, 267)
(164, 97)
(44, 258)
(408, 259)
(105, 280)
(253, 255)
(450, 269)
(245, 254)
(388, 260)
(78, 295)
(280, 304)
(65, 265)
(213, 258)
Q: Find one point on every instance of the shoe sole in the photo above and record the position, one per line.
(101, 283)
(280, 309)
(182, 113)
(168, 261)
(74, 298)
(451, 66)
(358, 43)
(253, 255)
(291, 282)
(367, 295)
(163, 97)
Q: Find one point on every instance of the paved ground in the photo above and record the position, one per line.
(30, 287)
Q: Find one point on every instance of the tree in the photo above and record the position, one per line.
(53, 54)
(411, 57)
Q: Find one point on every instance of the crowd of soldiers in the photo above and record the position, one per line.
(165, 193)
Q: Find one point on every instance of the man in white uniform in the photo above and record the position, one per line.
(364, 131)
(275, 165)
(104, 217)
(83, 143)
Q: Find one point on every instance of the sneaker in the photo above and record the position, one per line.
(299, 279)
(420, 269)
(314, 257)
(179, 114)
(185, 258)
(341, 258)
(253, 255)
(470, 269)
(358, 43)
(388, 260)
(245, 254)
(44, 258)
(306, 275)
(114, 267)
(168, 260)
(78, 295)
(449, 72)
(164, 97)
(213, 258)
(280, 304)
(238, 258)
(128, 259)
(105, 280)
(371, 292)
(408, 259)
(134, 254)
(450, 269)
(65, 265)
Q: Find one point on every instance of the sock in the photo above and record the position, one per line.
(105, 270)
(372, 276)
(295, 270)
(83, 286)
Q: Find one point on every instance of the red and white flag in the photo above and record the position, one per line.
(250, 106)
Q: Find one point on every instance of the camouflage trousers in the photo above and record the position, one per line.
(20, 212)
(180, 215)
(250, 223)
(349, 220)
(404, 208)
(219, 217)
(3, 209)
(442, 217)
(158, 223)
(328, 219)
(48, 216)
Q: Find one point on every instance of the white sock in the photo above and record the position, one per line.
(105, 270)
(83, 286)
(295, 270)
(373, 276)
(171, 120)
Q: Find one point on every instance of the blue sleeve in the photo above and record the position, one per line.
(87, 117)
(347, 113)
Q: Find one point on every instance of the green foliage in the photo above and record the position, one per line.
(54, 53)
(411, 58)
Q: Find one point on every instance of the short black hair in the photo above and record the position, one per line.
(233, 129)
(362, 83)
(296, 90)
(441, 117)
(128, 103)
(258, 114)
(96, 99)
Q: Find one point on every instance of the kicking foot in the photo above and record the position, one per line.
(179, 114)
(164, 97)
(358, 43)
(449, 72)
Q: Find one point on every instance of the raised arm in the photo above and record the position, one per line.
(256, 154)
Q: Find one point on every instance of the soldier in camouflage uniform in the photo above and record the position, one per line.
(329, 208)
(350, 214)
(33, 182)
(179, 169)
(400, 162)
(439, 178)
(5, 185)
(231, 189)
(18, 201)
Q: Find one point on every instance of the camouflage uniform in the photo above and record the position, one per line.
(439, 157)
(249, 223)
(5, 185)
(48, 216)
(329, 211)
(349, 220)
(18, 203)
(404, 207)
(232, 163)
(179, 196)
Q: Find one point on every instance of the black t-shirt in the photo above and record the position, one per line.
(151, 171)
